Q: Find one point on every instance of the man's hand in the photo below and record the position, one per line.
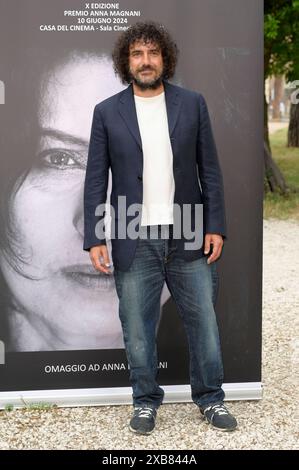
(97, 253)
(217, 242)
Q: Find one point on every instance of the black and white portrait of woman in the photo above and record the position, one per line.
(52, 297)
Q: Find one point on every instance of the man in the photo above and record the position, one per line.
(157, 139)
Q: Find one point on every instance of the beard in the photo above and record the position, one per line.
(149, 84)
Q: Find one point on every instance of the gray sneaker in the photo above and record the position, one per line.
(218, 416)
(143, 419)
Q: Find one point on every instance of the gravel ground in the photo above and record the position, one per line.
(268, 424)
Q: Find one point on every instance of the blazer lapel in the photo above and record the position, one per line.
(173, 102)
(127, 109)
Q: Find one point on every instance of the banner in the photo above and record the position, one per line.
(60, 334)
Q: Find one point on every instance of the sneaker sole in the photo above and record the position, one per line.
(146, 433)
(216, 427)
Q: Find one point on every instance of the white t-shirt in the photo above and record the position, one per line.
(158, 180)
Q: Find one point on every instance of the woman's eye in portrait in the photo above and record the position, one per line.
(61, 159)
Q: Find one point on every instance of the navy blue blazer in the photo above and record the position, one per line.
(115, 143)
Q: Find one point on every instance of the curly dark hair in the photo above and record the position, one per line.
(148, 31)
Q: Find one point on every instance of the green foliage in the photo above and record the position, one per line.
(281, 38)
(9, 407)
(38, 405)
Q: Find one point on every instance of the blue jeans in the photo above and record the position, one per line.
(193, 287)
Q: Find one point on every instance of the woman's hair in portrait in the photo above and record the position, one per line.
(24, 73)
(147, 32)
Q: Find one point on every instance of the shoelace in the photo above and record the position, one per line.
(144, 412)
(217, 408)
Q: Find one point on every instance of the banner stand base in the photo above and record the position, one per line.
(119, 396)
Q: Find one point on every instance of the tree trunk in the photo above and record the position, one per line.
(278, 96)
(266, 127)
(293, 132)
(273, 178)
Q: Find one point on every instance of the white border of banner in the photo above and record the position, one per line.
(119, 395)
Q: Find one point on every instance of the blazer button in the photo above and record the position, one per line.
(140, 178)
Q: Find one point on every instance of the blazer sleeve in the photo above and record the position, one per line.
(210, 175)
(96, 182)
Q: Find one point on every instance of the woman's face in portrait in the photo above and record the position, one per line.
(59, 301)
